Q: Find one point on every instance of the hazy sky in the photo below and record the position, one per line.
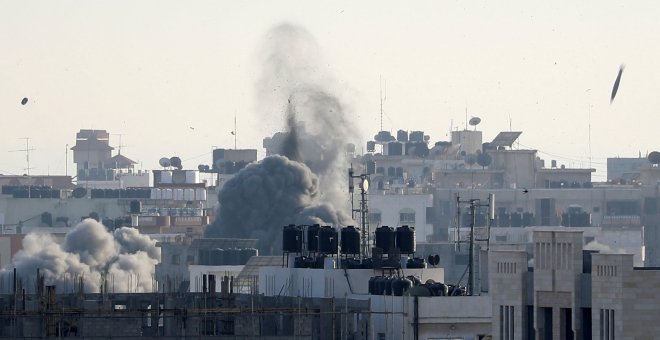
(169, 75)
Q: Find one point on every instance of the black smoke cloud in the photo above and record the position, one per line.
(267, 195)
(89, 252)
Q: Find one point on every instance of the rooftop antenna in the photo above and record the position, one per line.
(120, 144)
(382, 99)
(235, 130)
(27, 153)
(466, 115)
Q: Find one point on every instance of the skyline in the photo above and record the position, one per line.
(169, 77)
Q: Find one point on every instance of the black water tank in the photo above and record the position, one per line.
(367, 264)
(350, 240)
(394, 149)
(203, 257)
(405, 239)
(372, 285)
(385, 238)
(400, 286)
(95, 216)
(217, 257)
(300, 262)
(416, 262)
(371, 146)
(313, 238)
(388, 285)
(292, 236)
(328, 240)
(380, 285)
(371, 167)
(136, 207)
(247, 253)
(402, 136)
(47, 218)
(108, 223)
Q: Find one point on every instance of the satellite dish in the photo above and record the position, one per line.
(176, 162)
(79, 192)
(654, 157)
(365, 184)
(474, 121)
(164, 162)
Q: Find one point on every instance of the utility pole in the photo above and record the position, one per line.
(474, 203)
(363, 210)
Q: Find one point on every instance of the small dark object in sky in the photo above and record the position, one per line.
(24, 101)
(616, 83)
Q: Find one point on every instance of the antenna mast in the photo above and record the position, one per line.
(235, 131)
(120, 144)
(27, 153)
(382, 99)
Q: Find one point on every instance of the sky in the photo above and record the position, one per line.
(166, 78)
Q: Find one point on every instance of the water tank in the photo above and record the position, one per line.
(394, 149)
(400, 286)
(217, 257)
(402, 136)
(292, 237)
(166, 177)
(371, 146)
(388, 285)
(350, 240)
(385, 238)
(192, 176)
(380, 284)
(367, 264)
(416, 262)
(416, 136)
(300, 262)
(405, 239)
(371, 167)
(328, 242)
(313, 238)
(136, 207)
(47, 218)
(372, 285)
(200, 194)
(247, 253)
(189, 194)
(203, 257)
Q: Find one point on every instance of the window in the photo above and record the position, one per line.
(506, 322)
(176, 258)
(407, 216)
(375, 218)
(607, 324)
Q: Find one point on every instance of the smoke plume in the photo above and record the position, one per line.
(265, 196)
(122, 260)
(307, 184)
(318, 129)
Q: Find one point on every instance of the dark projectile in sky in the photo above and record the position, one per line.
(616, 83)
(24, 101)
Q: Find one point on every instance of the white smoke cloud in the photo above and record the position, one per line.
(124, 258)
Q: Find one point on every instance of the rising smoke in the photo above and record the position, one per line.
(307, 183)
(123, 260)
